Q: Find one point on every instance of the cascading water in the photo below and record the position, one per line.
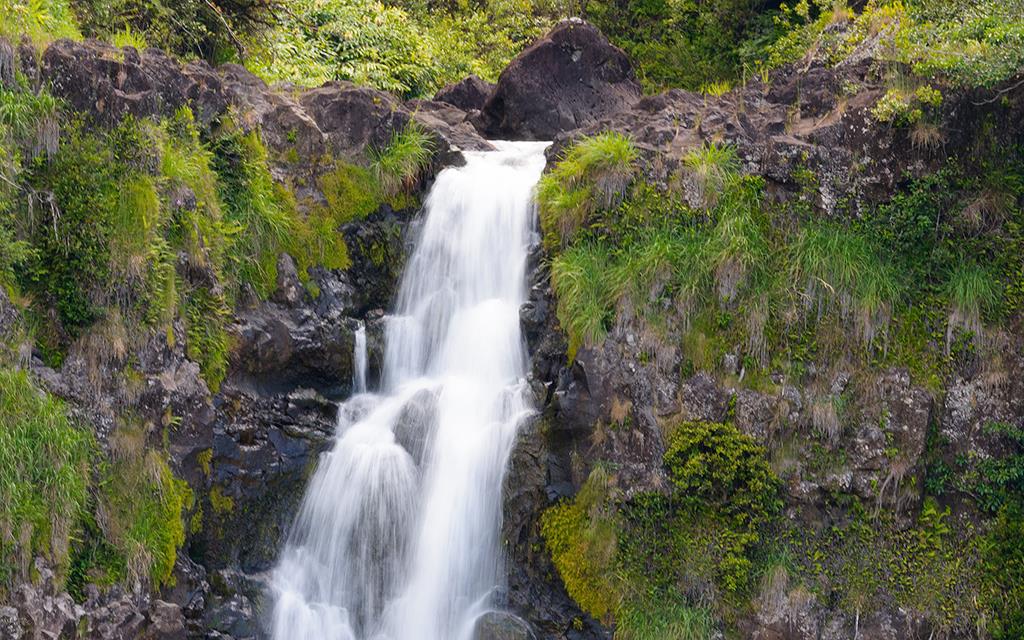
(398, 534)
(359, 360)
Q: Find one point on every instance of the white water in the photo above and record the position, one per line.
(359, 360)
(397, 537)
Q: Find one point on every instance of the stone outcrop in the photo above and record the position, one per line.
(110, 83)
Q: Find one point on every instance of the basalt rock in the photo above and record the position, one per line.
(571, 78)
(110, 83)
(469, 94)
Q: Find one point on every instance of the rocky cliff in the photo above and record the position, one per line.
(247, 448)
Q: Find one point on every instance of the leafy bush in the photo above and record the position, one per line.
(41, 20)
(44, 475)
(681, 43)
(214, 30)
(580, 535)
(651, 561)
(1004, 572)
(715, 467)
(972, 43)
(411, 50)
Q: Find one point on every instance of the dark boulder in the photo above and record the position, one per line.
(468, 94)
(569, 79)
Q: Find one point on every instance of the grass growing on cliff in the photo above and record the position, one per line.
(260, 216)
(579, 277)
(842, 270)
(44, 475)
(593, 174)
(144, 505)
(973, 291)
(399, 165)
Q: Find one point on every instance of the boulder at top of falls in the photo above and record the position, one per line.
(569, 79)
(468, 94)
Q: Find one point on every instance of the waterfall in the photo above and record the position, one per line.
(398, 534)
(359, 360)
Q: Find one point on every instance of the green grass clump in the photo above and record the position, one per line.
(44, 475)
(188, 164)
(738, 246)
(352, 192)
(973, 291)
(713, 166)
(144, 505)
(398, 166)
(593, 174)
(838, 268)
(260, 218)
(585, 301)
(674, 621)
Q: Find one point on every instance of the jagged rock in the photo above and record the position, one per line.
(453, 125)
(7, 63)
(110, 83)
(282, 121)
(353, 118)
(468, 94)
(10, 624)
(166, 622)
(498, 625)
(569, 79)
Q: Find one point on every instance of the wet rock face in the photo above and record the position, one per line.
(569, 79)
(496, 625)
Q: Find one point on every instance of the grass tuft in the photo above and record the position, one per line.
(711, 167)
(594, 174)
(399, 165)
(584, 297)
(972, 291)
(842, 269)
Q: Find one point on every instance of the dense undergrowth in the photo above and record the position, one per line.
(112, 238)
(929, 280)
(413, 47)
